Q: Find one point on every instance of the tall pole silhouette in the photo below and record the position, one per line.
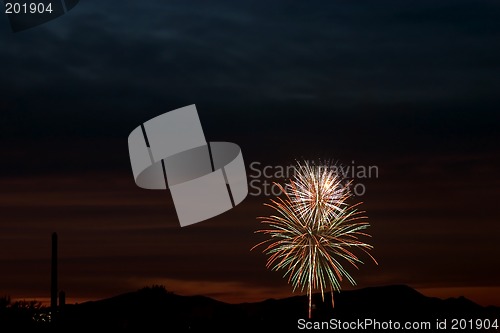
(53, 278)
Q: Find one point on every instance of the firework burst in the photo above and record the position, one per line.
(315, 231)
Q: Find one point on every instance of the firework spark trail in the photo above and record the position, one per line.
(312, 229)
(318, 191)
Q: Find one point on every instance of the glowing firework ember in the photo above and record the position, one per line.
(314, 229)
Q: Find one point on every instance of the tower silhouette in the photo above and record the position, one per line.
(53, 277)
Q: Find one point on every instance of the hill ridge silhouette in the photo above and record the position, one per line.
(158, 308)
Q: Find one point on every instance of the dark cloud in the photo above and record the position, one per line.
(102, 68)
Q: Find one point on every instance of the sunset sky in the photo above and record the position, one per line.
(411, 89)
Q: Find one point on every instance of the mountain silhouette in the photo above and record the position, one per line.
(156, 309)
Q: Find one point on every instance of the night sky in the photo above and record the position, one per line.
(411, 88)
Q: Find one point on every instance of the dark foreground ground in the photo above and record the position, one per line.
(364, 310)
